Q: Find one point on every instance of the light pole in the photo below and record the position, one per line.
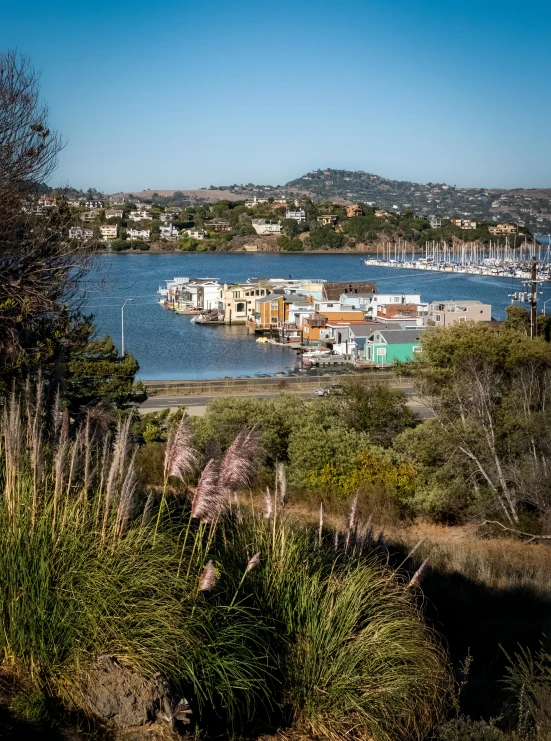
(545, 302)
(122, 324)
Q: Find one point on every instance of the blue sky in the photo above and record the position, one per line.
(184, 95)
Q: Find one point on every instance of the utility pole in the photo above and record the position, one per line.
(533, 301)
(122, 325)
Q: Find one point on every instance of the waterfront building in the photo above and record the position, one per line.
(108, 232)
(169, 232)
(263, 226)
(384, 347)
(238, 300)
(143, 234)
(445, 313)
(196, 233)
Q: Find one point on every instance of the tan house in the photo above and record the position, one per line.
(108, 232)
(355, 210)
(327, 220)
(464, 223)
(218, 225)
(446, 313)
(503, 229)
(239, 301)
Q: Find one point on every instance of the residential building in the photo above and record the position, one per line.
(169, 232)
(168, 216)
(254, 201)
(108, 232)
(196, 233)
(435, 222)
(464, 223)
(143, 234)
(238, 300)
(381, 213)
(94, 204)
(355, 210)
(263, 226)
(294, 286)
(333, 291)
(445, 313)
(46, 202)
(327, 220)
(350, 339)
(388, 346)
(77, 232)
(298, 214)
(140, 215)
(218, 225)
(113, 213)
(89, 216)
(198, 293)
(503, 229)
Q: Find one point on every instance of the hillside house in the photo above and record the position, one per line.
(143, 234)
(108, 232)
(196, 233)
(218, 225)
(435, 222)
(113, 213)
(503, 229)
(263, 226)
(298, 214)
(355, 210)
(140, 215)
(254, 201)
(327, 220)
(77, 232)
(464, 223)
(169, 232)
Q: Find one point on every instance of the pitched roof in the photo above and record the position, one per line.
(401, 336)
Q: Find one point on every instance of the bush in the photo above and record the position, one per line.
(464, 729)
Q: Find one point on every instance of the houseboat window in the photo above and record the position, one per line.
(240, 307)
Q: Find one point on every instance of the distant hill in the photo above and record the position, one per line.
(529, 206)
(533, 207)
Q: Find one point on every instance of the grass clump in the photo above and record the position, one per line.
(252, 618)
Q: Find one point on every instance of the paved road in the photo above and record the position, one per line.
(196, 405)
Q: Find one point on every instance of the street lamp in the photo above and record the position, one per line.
(122, 324)
(545, 302)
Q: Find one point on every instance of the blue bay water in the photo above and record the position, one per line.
(168, 346)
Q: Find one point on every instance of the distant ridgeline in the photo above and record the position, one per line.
(323, 210)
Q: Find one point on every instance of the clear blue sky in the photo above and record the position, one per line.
(189, 94)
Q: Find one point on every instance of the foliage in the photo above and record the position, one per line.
(250, 618)
(464, 729)
(97, 374)
(326, 237)
(490, 393)
(529, 680)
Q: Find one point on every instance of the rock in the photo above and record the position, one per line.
(123, 698)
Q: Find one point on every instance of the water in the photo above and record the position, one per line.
(168, 346)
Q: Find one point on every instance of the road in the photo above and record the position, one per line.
(196, 405)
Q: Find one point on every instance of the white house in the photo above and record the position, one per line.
(169, 232)
(298, 214)
(263, 226)
(140, 216)
(94, 204)
(143, 234)
(168, 216)
(77, 232)
(196, 233)
(113, 213)
(255, 202)
(108, 232)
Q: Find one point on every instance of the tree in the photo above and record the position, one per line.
(97, 374)
(491, 395)
(39, 269)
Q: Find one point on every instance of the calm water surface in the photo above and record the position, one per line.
(168, 346)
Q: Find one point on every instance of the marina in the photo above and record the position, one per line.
(174, 347)
(496, 259)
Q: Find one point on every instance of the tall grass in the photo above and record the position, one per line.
(251, 617)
